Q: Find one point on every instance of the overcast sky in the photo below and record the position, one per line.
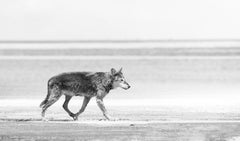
(122, 19)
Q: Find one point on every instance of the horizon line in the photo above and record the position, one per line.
(119, 57)
(117, 41)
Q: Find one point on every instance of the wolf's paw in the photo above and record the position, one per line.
(75, 117)
(71, 115)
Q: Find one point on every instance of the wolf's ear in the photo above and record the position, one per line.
(113, 71)
(120, 70)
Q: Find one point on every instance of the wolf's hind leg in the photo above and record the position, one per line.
(54, 96)
(84, 105)
(65, 105)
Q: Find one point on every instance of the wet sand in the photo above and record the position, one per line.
(166, 123)
(79, 131)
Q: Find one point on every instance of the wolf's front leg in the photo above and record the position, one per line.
(102, 107)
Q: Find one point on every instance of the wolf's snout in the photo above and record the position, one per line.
(128, 86)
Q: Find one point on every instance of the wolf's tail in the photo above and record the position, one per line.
(46, 99)
(43, 103)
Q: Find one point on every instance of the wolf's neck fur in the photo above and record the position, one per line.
(109, 85)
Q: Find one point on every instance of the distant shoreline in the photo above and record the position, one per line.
(115, 41)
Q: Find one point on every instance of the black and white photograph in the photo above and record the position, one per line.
(119, 70)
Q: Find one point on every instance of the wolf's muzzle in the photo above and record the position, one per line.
(128, 86)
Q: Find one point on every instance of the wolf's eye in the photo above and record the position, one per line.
(121, 79)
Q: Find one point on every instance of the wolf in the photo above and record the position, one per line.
(86, 84)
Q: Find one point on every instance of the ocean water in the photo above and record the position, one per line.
(156, 70)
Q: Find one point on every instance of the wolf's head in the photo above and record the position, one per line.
(119, 80)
